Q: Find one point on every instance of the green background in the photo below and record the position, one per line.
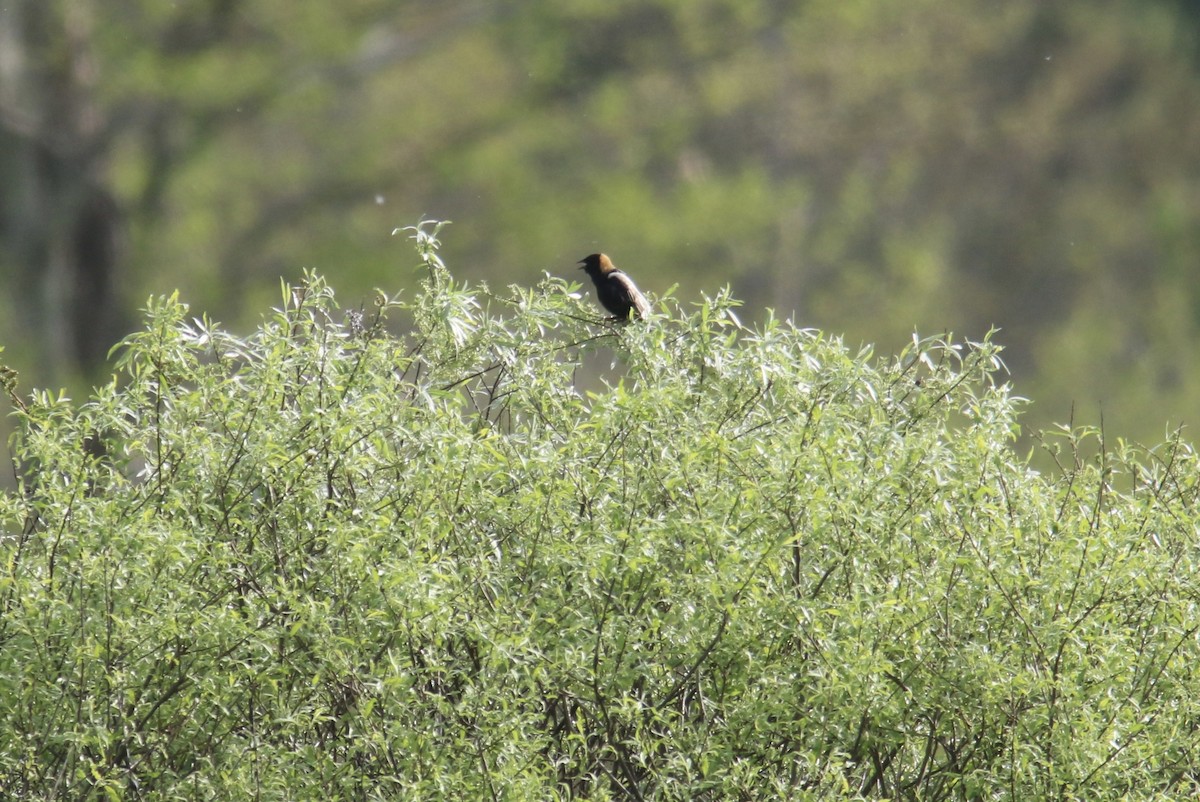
(869, 168)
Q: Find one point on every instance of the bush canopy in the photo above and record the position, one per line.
(326, 561)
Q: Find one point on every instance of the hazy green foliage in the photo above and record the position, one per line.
(320, 561)
(875, 167)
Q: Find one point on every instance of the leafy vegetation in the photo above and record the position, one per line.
(873, 168)
(324, 561)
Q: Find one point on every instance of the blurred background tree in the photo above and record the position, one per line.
(870, 168)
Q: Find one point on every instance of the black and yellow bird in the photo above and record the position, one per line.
(616, 291)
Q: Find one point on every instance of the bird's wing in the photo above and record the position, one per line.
(636, 299)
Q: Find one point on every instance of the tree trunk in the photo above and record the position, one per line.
(60, 226)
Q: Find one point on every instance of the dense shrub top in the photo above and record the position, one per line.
(748, 563)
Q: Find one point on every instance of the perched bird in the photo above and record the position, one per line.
(616, 291)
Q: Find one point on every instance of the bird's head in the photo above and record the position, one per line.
(596, 264)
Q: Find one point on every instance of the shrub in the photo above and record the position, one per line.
(326, 561)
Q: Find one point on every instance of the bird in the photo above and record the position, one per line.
(616, 291)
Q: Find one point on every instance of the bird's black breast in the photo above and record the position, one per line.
(615, 294)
